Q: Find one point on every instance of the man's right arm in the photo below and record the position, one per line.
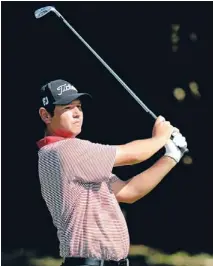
(140, 150)
(137, 151)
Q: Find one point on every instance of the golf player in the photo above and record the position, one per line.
(77, 183)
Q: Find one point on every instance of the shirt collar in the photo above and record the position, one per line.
(48, 140)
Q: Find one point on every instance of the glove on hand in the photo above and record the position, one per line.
(173, 147)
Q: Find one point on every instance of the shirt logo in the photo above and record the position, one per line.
(65, 87)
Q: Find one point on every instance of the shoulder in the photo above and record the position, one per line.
(80, 143)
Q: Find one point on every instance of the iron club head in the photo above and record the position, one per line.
(43, 11)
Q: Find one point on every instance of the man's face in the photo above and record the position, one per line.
(67, 120)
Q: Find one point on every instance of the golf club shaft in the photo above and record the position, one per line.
(108, 68)
(43, 11)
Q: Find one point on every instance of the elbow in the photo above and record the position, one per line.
(130, 201)
(134, 199)
(126, 200)
(136, 160)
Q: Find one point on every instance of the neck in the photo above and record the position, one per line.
(49, 132)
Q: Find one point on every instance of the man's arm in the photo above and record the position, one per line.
(140, 185)
(141, 150)
(137, 151)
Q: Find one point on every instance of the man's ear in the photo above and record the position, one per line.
(45, 116)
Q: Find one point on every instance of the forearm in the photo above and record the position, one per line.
(143, 183)
(140, 150)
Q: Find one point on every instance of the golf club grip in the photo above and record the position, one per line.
(184, 150)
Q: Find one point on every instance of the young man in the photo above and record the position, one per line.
(77, 183)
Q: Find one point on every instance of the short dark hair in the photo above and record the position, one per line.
(50, 109)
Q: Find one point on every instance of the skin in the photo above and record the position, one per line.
(66, 122)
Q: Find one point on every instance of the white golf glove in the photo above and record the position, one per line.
(176, 147)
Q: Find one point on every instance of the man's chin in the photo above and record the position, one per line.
(76, 133)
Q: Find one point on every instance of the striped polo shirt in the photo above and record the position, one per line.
(75, 177)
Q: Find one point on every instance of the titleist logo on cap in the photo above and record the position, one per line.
(65, 87)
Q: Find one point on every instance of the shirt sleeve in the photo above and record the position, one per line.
(95, 162)
(113, 178)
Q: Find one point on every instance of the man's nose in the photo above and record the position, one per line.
(76, 112)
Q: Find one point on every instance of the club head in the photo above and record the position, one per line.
(43, 11)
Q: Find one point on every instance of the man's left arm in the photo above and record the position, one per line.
(137, 187)
(141, 184)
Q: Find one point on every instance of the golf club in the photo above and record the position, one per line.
(45, 10)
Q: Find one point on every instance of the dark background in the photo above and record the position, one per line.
(134, 38)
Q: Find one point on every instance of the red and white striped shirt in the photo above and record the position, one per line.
(76, 177)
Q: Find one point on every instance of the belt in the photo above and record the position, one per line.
(94, 262)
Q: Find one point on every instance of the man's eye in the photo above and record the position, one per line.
(71, 107)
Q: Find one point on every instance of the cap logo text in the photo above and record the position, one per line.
(45, 101)
(65, 87)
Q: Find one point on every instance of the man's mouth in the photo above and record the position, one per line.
(77, 122)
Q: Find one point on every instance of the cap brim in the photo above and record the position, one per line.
(70, 98)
